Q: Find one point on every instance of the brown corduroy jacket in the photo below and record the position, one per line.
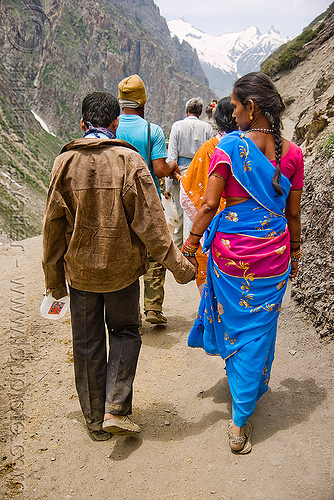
(102, 215)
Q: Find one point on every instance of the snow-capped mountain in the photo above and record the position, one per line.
(226, 57)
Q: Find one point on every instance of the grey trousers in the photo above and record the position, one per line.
(104, 377)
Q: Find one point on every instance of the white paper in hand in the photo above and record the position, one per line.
(54, 309)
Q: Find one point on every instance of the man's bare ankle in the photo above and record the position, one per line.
(110, 415)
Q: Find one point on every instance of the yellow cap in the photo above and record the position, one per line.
(132, 88)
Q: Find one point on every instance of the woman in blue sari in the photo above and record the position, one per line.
(253, 244)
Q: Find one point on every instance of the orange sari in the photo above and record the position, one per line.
(193, 185)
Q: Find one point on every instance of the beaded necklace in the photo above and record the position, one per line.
(263, 130)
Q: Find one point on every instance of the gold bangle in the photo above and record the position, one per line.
(295, 255)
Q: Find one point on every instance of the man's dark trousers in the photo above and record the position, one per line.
(105, 382)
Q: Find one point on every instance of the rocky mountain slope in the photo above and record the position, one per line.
(26, 157)
(93, 45)
(226, 57)
(304, 75)
(52, 53)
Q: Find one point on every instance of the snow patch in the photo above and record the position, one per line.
(11, 180)
(42, 123)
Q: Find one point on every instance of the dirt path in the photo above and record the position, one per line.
(181, 400)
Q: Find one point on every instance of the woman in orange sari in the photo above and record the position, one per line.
(194, 181)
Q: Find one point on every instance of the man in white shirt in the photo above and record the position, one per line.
(186, 137)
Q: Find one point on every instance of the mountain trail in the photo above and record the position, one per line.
(181, 400)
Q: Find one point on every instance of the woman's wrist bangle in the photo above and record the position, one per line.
(191, 245)
(189, 249)
(295, 255)
(198, 235)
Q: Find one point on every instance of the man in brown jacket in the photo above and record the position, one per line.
(102, 215)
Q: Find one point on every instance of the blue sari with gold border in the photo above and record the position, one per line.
(248, 270)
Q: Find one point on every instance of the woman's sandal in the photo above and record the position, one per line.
(242, 444)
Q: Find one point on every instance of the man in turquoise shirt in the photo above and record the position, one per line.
(133, 128)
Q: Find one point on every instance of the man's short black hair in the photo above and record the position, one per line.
(100, 109)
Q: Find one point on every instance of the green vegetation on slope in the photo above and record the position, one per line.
(292, 53)
(326, 149)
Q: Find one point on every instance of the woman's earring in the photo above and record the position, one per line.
(251, 117)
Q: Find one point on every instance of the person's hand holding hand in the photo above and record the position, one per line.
(175, 173)
(193, 260)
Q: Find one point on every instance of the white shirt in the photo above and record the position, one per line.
(187, 136)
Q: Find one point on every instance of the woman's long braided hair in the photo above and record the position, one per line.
(258, 87)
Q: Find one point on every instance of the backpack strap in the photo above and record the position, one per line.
(149, 145)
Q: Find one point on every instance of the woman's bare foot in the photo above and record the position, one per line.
(236, 436)
(236, 431)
